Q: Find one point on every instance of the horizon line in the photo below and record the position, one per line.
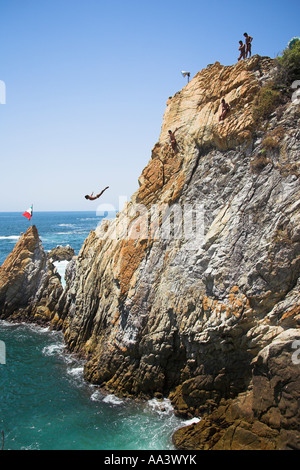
(39, 211)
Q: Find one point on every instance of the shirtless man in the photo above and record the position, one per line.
(248, 40)
(92, 198)
(242, 50)
(225, 110)
(172, 138)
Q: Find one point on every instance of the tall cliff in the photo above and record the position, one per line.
(192, 292)
(205, 319)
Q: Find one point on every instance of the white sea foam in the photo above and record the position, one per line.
(33, 446)
(76, 372)
(78, 231)
(161, 406)
(61, 266)
(66, 225)
(96, 396)
(52, 349)
(66, 233)
(27, 326)
(59, 349)
(35, 328)
(10, 237)
(112, 400)
(191, 421)
(87, 218)
(5, 323)
(61, 269)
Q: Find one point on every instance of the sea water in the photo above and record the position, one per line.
(45, 402)
(55, 228)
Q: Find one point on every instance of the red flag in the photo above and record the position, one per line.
(28, 213)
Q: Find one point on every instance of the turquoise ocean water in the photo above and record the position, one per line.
(45, 402)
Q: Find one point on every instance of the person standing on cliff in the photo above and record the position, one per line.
(172, 138)
(242, 50)
(92, 198)
(248, 40)
(225, 110)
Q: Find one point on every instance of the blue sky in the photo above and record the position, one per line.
(87, 84)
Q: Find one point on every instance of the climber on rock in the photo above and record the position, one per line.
(92, 198)
(248, 40)
(172, 138)
(242, 50)
(225, 110)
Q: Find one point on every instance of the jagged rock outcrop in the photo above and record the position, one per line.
(192, 292)
(29, 285)
(61, 253)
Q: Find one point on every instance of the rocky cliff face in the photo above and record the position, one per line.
(198, 317)
(192, 292)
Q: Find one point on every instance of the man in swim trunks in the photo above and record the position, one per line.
(242, 50)
(248, 40)
(225, 110)
(172, 138)
(92, 198)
